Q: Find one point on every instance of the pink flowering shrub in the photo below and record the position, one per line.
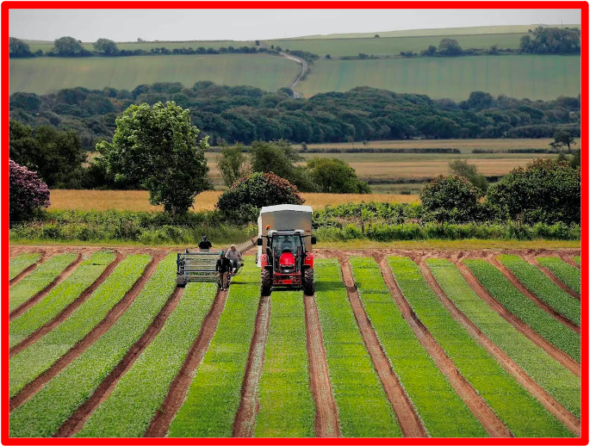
(28, 194)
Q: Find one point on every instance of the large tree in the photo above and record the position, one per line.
(157, 147)
(18, 48)
(449, 47)
(232, 164)
(68, 46)
(333, 175)
(106, 47)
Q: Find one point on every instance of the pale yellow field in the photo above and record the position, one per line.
(121, 200)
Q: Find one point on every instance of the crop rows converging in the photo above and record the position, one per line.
(363, 408)
(518, 409)
(60, 297)
(21, 263)
(557, 380)
(44, 413)
(566, 273)
(543, 287)
(39, 279)
(514, 301)
(440, 408)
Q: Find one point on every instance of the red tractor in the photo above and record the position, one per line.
(286, 261)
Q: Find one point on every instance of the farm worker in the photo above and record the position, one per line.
(204, 245)
(235, 257)
(222, 269)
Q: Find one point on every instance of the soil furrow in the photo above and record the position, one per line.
(408, 419)
(67, 312)
(181, 383)
(551, 350)
(326, 417)
(569, 260)
(73, 424)
(27, 270)
(67, 272)
(490, 421)
(525, 291)
(552, 405)
(101, 328)
(553, 277)
(249, 405)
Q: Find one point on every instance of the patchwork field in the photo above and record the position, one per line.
(393, 344)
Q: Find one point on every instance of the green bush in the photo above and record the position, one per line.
(450, 199)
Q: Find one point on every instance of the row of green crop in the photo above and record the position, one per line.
(442, 411)
(518, 409)
(34, 360)
(40, 278)
(543, 287)
(578, 259)
(363, 408)
(564, 272)
(214, 396)
(286, 404)
(558, 381)
(515, 302)
(45, 412)
(60, 297)
(127, 411)
(20, 263)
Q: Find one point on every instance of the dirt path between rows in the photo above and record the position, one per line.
(409, 421)
(533, 260)
(45, 291)
(569, 259)
(490, 421)
(326, 416)
(76, 421)
(25, 272)
(551, 350)
(101, 328)
(529, 295)
(552, 405)
(249, 405)
(181, 383)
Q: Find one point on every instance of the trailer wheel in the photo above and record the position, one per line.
(308, 285)
(265, 282)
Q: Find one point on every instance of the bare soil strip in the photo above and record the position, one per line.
(27, 270)
(101, 328)
(552, 406)
(492, 424)
(67, 312)
(179, 386)
(249, 404)
(326, 416)
(73, 424)
(553, 351)
(569, 260)
(546, 308)
(408, 419)
(45, 291)
(553, 277)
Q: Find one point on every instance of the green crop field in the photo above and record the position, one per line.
(45, 74)
(522, 76)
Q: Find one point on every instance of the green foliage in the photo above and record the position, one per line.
(106, 47)
(500, 390)
(28, 196)
(469, 171)
(69, 47)
(449, 47)
(60, 297)
(40, 356)
(18, 48)
(215, 393)
(232, 163)
(543, 287)
(563, 138)
(451, 199)
(40, 416)
(363, 407)
(442, 411)
(40, 278)
(20, 263)
(564, 272)
(578, 259)
(158, 148)
(551, 41)
(129, 409)
(514, 301)
(558, 381)
(335, 176)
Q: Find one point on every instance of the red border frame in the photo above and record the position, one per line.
(4, 236)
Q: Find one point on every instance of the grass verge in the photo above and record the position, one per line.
(564, 272)
(20, 263)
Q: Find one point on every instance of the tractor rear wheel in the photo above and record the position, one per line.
(308, 285)
(265, 282)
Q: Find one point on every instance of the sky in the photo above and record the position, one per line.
(180, 25)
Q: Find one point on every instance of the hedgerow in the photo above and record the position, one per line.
(20, 263)
(518, 409)
(564, 272)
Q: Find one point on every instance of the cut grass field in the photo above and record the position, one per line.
(518, 409)
(522, 76)
(21, 263)
(564, 272)
(45, 74)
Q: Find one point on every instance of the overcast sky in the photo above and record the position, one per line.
(128, 25)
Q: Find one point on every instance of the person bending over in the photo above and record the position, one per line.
(235, 257)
